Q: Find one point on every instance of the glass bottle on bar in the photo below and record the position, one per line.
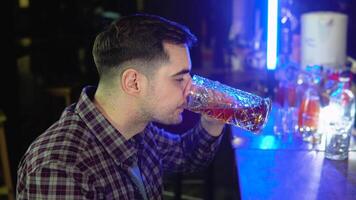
(309, 109)
(339, 127)
(287, 102)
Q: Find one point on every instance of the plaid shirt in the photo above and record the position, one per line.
(82, 156)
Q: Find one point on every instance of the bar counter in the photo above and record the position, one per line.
(286, 167)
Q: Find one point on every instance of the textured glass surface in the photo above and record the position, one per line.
(233, 106)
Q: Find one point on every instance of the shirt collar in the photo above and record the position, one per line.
(112, 140)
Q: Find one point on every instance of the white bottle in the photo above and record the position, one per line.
(342, 105)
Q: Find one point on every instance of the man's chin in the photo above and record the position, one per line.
(175, 121)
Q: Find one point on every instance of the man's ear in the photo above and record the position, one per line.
(130, 82)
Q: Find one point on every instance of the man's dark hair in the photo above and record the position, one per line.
(137, 39)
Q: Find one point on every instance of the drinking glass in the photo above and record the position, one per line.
(338, 140)
(230, 105)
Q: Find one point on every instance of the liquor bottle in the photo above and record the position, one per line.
(341, 120)
(309, 109)
(308, 115)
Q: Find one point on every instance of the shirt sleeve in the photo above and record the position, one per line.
(55, 181)
(187, 152)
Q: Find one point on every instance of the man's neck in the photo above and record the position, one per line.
(123, 115)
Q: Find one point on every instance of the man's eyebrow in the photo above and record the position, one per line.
(184, 71)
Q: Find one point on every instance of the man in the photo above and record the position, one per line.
(104, 146)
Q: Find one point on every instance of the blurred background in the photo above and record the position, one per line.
(46, 61)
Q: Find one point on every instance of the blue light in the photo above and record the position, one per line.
(268, 142)
(272, 34)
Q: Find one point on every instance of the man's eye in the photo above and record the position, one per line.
(180, 79)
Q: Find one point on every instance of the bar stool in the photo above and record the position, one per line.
(7, 188)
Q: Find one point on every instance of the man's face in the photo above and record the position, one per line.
(167, 90)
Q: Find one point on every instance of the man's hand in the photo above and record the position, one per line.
(212, 126)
